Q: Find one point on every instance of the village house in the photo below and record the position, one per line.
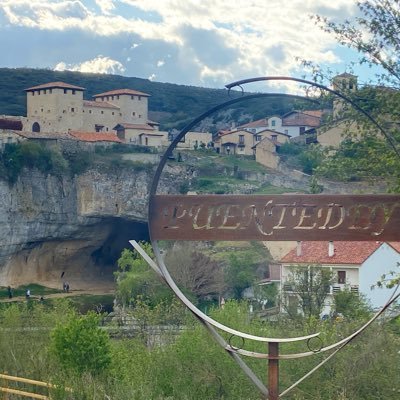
(356, 266)
(242, 141)
(293, 123)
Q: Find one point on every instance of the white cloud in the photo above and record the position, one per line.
(100, 65)
(260, 38)
(152, 77)
(106, 6)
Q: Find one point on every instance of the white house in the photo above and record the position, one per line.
(293, 123)
(356, 266)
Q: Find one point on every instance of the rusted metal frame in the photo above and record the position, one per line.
(187, 128)
(388, 137)
(318, 217)
(273, 371)
(217, 337)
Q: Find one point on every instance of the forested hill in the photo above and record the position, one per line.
(171, 105)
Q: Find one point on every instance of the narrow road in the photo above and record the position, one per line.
(71, 293)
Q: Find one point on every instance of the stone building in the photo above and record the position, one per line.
(60, 107)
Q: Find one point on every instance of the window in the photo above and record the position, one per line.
(287, 131)
(33, 93)
(72, 109)
(258, 138)
(102, 111)
(50, 91)
(302, 130)
(274, 138)
(134, 113)
(118, 97)
(341, 277)
(90, 111)
(44, 91)
(38, 92)
(132, 97)
(73, 92)
(112, 113)
(241, 139)
(65, 91)
(41, 109)
(140, 115)
(139, 98)
(273, 123)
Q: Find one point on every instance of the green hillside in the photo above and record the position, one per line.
(171, 105)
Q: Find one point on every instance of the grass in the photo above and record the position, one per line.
(90, 302)
(222, 251)
(36, 290)
(270, 189)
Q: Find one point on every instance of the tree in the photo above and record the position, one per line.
(195, 271)
(81, 346)
(375, 34)
(310, 286)
(136, 279)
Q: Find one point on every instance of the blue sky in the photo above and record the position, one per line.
(202, 43)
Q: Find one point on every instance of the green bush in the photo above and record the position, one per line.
(81, 346)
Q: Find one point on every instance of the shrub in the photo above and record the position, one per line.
(80, 346)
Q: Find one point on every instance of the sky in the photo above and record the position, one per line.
(202, 43)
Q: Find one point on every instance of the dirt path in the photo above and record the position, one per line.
(72, 293)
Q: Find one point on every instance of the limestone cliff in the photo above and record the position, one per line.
(78, 226)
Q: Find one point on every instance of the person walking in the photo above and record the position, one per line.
(28, 293)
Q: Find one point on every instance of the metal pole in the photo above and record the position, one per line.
(273, 371)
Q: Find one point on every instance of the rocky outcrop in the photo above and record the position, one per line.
(76, 225)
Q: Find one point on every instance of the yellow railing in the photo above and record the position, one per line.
(6, 390)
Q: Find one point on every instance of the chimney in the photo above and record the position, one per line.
(298, 249)
(331, 249)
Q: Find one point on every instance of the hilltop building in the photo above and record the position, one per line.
(57, 110)
(59, 107)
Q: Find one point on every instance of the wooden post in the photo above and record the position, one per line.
(273, 371)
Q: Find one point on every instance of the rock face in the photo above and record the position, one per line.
(50, 225)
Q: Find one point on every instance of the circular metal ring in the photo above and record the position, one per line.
(318, 348)
(235, 347)
(155, 182)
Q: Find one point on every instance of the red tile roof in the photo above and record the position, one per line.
(354, 253)
(313, 113)
(122, 91)
(102, 104)
(95, 136)
(301, 119)
(395, 245)
(61, 85)
(255, 124)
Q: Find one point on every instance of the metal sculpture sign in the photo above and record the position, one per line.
(266, 218)
(276, 217)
